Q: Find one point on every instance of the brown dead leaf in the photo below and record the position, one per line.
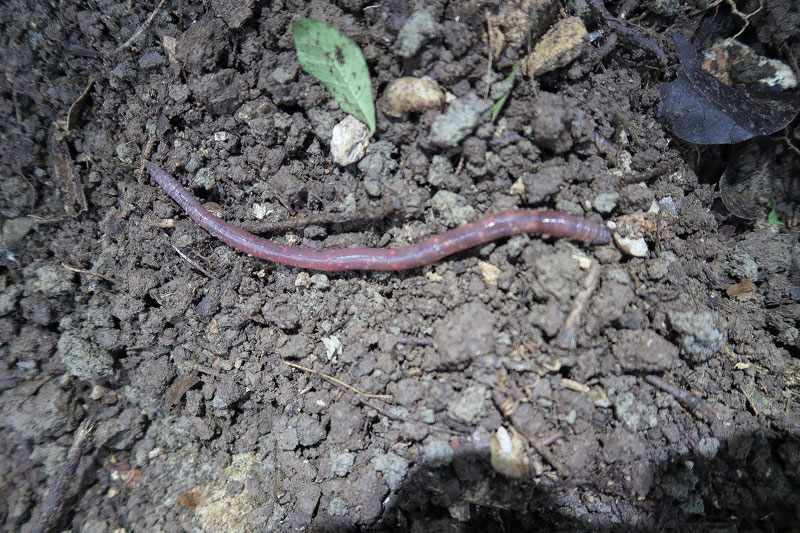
(189, 499)
(179, 387)
(66, 176)
(742, 291)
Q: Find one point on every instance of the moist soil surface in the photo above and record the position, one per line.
(531, 383)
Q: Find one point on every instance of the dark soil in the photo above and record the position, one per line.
(116, 308)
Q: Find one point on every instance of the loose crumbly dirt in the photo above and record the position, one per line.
(117, 307)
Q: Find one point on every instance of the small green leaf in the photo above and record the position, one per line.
(498, 105)
(337, 62)
(772, 217)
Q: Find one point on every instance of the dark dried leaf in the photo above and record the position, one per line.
(699, 108)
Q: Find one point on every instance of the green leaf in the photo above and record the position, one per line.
(772, 217)
(337, 62)
(498, 105)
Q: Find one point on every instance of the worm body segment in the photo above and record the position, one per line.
(432, 249)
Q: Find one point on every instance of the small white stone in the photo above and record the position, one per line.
(333, 347)
(259, 210)
(631, 246)
(320, 281)
(504, 440)
(408, 95)
(583, 262)
(349, 141)
(489, 272)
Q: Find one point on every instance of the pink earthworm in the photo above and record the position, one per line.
(432, 249)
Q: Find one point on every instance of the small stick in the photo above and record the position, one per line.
(89, 273)
(418, 341)
(491, 54)
(685, 398)
(51, 512)
(363, 400)
(338, 382)
(552, 438)
(196, 262)
(200, 368)
(141, 29)
(566, 337)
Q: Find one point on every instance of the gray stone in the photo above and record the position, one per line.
(437, 453)
(418, 29)
(699, 336)
(459, 120)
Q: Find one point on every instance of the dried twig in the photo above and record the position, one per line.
(735, 11)
(491, 53)
(418, 341)
(196, 260)
(338, 382)
(566, 336)
(141, 29)
(363, 399)
(51, 513)
(685, 398)
(89, 273)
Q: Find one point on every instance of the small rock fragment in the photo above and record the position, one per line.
(742, 291)
(9, 297)
(469, 406)
(460, 119)
(349, 141)
(393, 467)
(452, 208)
(437, 453)
(84, 358)
(633, 246)
(418, 29)
(408, 94)
(699, 336)
(557, 48)
(333, 347)
(606, 202)
(489, 272)
(53, 280)
(516, 22)
(465, 333)
(666, 8)
(631, 231)
(645, 351)
(341, 462)
(14, 231)
(233, 13)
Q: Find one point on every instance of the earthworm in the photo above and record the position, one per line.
(432, 249)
